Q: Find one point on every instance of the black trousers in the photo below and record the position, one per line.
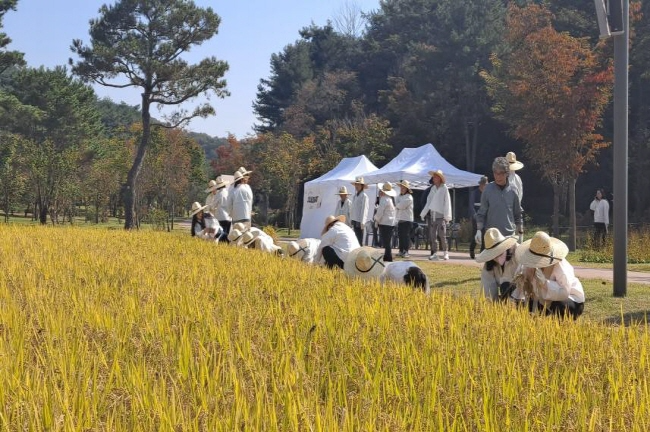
(358, 231)
(226, 226)
(560, 309)
(386, 236)
(404, 235)
(331, 258)
(600, 233)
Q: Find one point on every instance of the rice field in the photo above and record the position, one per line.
(105, 330)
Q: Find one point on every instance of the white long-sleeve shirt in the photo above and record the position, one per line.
(343, 208)
(309, 247)
(516, 184)
(385, 212)
(341, 238)
(404, 208)
(438, 203)
(359, 208)
(601, 211)
(491, 280)
(395, 272)
(240, 203)
(562, 284)
(221, 203)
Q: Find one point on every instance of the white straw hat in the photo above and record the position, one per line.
(197, 207)
(495, 244)
(515, 165)
(365, 262)
(387, 188)
(541, 251)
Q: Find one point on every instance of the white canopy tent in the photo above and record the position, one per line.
(320, 198)
(414, 164)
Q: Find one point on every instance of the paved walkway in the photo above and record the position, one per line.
(463, 258)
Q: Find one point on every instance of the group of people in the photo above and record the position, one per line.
(534, 273)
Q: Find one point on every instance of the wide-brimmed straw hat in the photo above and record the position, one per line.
(342, 191)
(241, 173)
(439, 174)
(541, 251)
(235, 235)
(220, 182)
(212, 185)
(387, 188)
(515, 165)
(329, 220)
(249, 237)
(297, 249)
(365, 262)
(360, 181)
(197, 207)
(495, 244)
(406, 184)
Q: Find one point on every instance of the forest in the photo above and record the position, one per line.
(476, 78)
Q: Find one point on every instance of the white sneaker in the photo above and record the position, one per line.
(406, 255)
(446, 256)
(434, 257)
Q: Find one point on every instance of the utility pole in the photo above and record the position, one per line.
(614, 21)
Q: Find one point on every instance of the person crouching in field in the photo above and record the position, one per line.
(255, 238)
(336, 242)
(303, 249)
(406, 272)
(546, 279)
(204, 225)
(500, 265)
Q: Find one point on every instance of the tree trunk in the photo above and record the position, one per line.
(572, 215)
(42, 214)
(556, 209)
(128, 190)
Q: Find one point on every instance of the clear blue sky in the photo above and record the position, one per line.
(250, 32)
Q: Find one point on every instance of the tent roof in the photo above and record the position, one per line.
(414, 164)
(347, 169)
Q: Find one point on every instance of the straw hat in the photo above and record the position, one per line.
(342, 191)
(241, 173)
(359, 180)
(329, 220)
(212, 185)
(365, 262)
(406, 184)
(220, 182)
(541, 251)
(240, 227)
(387, 188)
(439, 174)
(197, 207)
(297, 249)
(515, 165)
(495, 244)
(249, 237)
(234, 235)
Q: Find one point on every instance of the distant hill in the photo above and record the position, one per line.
(208, 143)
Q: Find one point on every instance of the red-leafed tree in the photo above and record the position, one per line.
(551, 89)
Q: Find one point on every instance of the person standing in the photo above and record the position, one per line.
(475, 204)
(438, 208)
(600, 207)
(240, 200)
(500, 206)
(515, 180)
(220, 204)
(385, 218)
(404, 216)
(359, 209)
(344, 205)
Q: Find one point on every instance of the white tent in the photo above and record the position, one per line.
(321, 197)
(414, 164)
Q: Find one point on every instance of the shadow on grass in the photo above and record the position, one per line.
(456, 282)
(630, 318)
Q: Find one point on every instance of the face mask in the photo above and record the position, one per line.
(501, 259)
